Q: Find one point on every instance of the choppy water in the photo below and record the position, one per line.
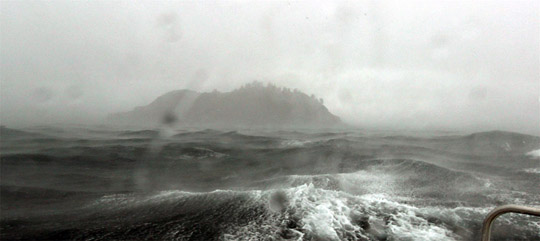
(99, 184)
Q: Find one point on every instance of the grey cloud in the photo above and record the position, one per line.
(170, 23)
(380, 64)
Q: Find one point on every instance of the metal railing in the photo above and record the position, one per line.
(486, 228)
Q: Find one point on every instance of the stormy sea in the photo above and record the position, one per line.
(81, 183)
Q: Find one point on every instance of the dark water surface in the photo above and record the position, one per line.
(101, 184)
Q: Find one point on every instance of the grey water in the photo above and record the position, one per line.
(259, 184)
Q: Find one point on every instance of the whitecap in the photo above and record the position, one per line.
(534, 154)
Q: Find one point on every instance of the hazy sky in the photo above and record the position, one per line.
(471, 65)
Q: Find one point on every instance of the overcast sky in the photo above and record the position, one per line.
(377, 64)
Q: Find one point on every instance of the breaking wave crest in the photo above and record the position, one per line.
(304, 212)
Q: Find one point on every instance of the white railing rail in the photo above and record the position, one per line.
(486, 228)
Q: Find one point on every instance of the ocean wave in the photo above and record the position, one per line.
(400, 178)
(309, 212)
(320, 214)
(313, 213)
(299, 186)
(534, 154)
(294, 143)
(304, 212)
(141, 133)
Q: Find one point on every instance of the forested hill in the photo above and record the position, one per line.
(252, 105)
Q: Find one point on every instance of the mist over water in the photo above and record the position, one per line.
(227, 120)
(414, 65)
